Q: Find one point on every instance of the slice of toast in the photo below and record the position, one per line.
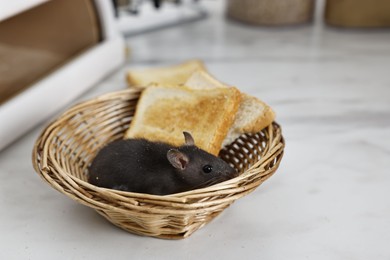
(163, 113)
(171, 75)
(201, 79)
(253, 114)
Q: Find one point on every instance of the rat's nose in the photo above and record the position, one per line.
(232, 173)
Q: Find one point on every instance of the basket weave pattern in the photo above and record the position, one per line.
(65, 149)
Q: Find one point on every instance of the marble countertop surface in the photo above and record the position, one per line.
(330, 197)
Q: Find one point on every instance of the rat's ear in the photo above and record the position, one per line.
(178, 159)
(188, 138)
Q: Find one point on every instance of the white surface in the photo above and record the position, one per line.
(66, 83)
(328, 200)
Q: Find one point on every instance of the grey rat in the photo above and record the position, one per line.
(138, 165)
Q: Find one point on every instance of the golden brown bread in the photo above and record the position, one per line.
(163, 113)
(253, 114)
(170, 75)
(201, 79)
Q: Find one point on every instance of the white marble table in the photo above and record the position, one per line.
(330, 197)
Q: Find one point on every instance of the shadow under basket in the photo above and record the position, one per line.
(66, 148)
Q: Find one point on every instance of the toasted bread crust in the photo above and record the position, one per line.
(171, 75)
(245, 121)
(264, 118)
(227, 122)
(201, 79)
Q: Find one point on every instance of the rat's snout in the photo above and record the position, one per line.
(232, 173)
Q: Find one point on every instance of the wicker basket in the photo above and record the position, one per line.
(67, 146)
(270, 12)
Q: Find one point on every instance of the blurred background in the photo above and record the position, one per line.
(323, 66)
(52, 51)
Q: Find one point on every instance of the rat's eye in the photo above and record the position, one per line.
(207, 168)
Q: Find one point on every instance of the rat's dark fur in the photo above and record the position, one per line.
(138, 165)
